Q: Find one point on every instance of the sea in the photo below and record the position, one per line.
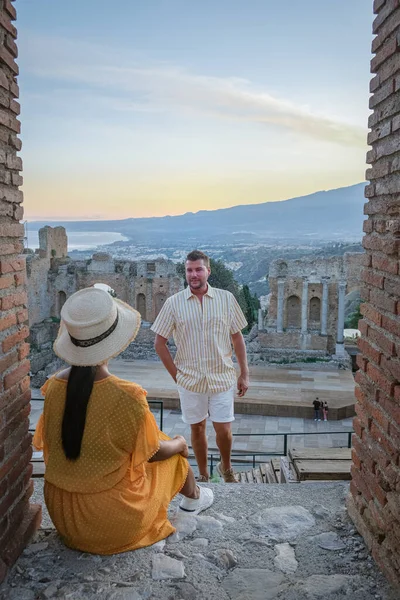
(81, 240)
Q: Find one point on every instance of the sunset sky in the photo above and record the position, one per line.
(155, 107)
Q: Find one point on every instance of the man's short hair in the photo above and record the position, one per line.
(199, 255)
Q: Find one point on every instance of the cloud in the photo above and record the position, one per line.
(131, 84)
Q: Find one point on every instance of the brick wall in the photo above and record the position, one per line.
(374, 503)
(18, 519)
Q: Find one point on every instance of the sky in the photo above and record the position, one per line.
(160, 107)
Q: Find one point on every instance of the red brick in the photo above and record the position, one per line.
(360, 482)
(11, 45)
(392, 285)
(382, 340)
(17, 374)
(383, 263)
(15, 339)
(371, 314)
(372, 278)
(391, 325)
(383, 444)
(24, 384)
(13, 300)
(383, 300)
(8, 360)
(355, 459)
(8, 321)
(22, 316)
(363, 327)
(358, 428)
(11, 266)
(391, 366)
(364, 417)
(361, 362)
(369, 351)
(378, 377)
(6, 282)
(7, 58)
(8, 7)
(23, 351)
(20, 279)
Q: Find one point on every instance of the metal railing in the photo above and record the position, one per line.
(212, 457)
(161, 408)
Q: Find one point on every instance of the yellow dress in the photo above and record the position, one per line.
(111, 499)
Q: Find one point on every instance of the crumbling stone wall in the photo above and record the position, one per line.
(374, 503)
(304, 286)
(18, 519)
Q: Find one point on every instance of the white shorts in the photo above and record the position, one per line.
(196, 407)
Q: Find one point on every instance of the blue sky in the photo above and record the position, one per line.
(163, 107)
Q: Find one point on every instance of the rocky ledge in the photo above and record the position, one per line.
(257, 542)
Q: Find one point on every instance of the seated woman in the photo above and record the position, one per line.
(110, 472)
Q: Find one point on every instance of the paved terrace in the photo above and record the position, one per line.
(280, 391)
(306, 383)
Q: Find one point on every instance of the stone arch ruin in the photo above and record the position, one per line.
(314, 313)
(374, 500)
(141, 305)
(61, 298)
(293, 312)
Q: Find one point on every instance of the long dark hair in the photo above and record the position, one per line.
(79, 389)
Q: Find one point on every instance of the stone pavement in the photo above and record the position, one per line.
(257, 542)
(274, 390)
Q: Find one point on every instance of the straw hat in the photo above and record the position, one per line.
(94, 328)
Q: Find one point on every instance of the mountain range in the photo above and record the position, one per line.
(325, 215)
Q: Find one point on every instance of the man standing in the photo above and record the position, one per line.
(205, 322)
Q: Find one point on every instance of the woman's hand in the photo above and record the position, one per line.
(185, 450)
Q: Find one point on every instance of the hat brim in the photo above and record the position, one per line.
(125, 332)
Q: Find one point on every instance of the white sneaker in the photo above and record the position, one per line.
(193, 506)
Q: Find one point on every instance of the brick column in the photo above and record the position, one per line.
(18, 519)
(324, 315)
(374, 503)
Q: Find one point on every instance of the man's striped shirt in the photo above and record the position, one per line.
(202, 334)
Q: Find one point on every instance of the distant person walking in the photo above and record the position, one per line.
(204, 322)
(325, 410)
(317, 406)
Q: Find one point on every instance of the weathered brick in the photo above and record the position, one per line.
(6, 282)
(369, 351)
(7, 361)
(380, 379)
(23, 351)
(382, 340)
(12, 229)
(378, 4)
(391, 366)
(379, 169)
(7, 58)
(388, 145)
(11, 46)
(14, 339)
(373, 278)
(383, 263)
(371, 314)
(389, 48)
(8, 321)
(383, 300)
(383, 92)
(13, 300)
(11, 266)
(9, 8)
(14, 376)
(385, 15)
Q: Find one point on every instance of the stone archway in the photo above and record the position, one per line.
(141, 305)
(315, 311)
(293, 312)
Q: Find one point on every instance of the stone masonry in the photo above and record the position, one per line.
(307, 306)
(374, 503)
(18, 518)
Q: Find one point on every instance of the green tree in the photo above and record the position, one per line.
(352, 320)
